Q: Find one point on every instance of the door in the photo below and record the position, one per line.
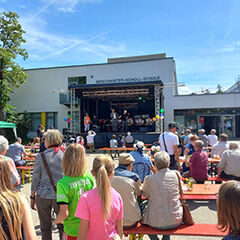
(228, 125)
(208, 123)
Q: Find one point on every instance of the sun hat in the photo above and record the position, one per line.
(139, 145)
(125, 159)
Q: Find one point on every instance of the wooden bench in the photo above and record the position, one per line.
(196, 229)
(24, 170)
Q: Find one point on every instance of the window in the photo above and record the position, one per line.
(74, 81)
(51, 120)
(36, 121)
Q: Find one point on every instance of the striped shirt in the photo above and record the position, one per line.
(40, 180)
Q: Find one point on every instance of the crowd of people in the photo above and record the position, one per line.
(142, 188)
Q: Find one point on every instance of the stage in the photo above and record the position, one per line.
(102, 139)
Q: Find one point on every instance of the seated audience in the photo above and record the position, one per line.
(149, 124)
(127, 184)
(198, 162)
(36, 142)
(15, 152)
(15, 179)
(212, 138)
(203, 137)
(228, 209)
(190, 146)
(164, 209)
(142, 165)
(130, 123)
(220, 146)
(229, 166)
(129, 140)
(15, 214)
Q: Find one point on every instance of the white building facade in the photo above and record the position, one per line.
(151, 78)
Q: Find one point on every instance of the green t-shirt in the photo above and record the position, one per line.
(69, 190)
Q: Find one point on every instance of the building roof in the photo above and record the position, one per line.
(234, 88)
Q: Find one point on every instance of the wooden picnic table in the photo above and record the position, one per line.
(202, 192)
(210, 160)
(31, 147)
(108, 149)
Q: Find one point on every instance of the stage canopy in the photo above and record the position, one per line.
(9, 125)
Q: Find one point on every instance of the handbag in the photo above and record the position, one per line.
(48, 172)
(187, 216)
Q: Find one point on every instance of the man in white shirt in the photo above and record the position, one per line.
(221, 146)
(212, 138)
(229, 167)
(90, 140)
(169, 143)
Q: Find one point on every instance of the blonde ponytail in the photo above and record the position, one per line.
(103, 167)
(10, 204)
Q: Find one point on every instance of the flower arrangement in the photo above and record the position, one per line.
(190, 181)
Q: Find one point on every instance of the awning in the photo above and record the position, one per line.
(7, 125)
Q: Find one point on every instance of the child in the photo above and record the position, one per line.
(113, 144)
(69, 189)
(229, 209)
(80, 140)
(100, 210)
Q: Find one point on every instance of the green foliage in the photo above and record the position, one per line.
(23, 122)
(219, 89)
(11, 74)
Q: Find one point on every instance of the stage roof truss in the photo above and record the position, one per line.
(116, 92)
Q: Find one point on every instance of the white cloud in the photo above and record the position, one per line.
(184, 90)
(67, 5)
(43, 45)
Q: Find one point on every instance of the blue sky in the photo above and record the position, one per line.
(203, 36)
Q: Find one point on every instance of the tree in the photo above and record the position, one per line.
(23, 122)
(11, 73)
(219, 89)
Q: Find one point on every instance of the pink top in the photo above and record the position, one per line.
(89, 208)
(199, 167)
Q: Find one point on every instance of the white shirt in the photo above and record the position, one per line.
(171, 139)
(90, 138)
(212, 139)
(230, 162)
(219, 148)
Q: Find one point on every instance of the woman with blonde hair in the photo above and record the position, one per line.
(228, 209)
(75, 182)
(100, 210)
(47, 164)
(15, 215)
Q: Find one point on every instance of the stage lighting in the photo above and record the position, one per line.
(139, 98)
